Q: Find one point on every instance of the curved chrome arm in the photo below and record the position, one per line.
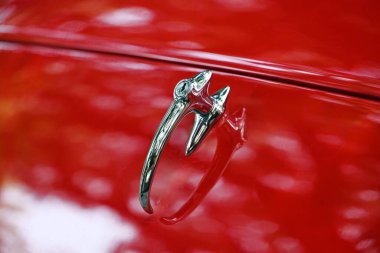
(190, 95)
(176, 111)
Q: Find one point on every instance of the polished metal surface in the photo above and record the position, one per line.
(190, 95)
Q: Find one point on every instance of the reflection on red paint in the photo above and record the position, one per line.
(230, 133)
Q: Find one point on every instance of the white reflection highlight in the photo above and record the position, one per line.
(204, 224)
(245, 153)
(213, 56)
(263, 227)
(95, 187)
(53, 225)
(43, 32)
(99, 188)
(365, 244)
(369, 195)
(7, 46)
(342, 78)
(254, 244)
(124, 66)
(275, 68)
(350, 232)
(7, 28)
(119, 143)
(107, 102)
(160, 102)
(187, 44)
(226, 192)
(76, 54)
(374, 118)
(252, 236)
(286, 183)
(56, 68)
(288, 245)
(355, 213)
(291, 144)
(133, 16)
(245, 62)
(6, 12)
(284, 143)
(367, 71)
(332, 100)
(134, 206)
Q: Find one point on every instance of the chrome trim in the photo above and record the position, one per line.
(190, 95)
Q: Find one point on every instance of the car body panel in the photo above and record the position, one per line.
(75, 128)
(330, 45)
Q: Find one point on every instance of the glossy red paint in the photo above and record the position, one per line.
(75, 127)
(332, 45)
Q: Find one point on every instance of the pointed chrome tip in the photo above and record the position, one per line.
(196, 135)
(188, 151)
(202, 79)
(221, 95)
(220, 98)
(191, 146)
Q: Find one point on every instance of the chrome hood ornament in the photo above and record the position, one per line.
(190, 95)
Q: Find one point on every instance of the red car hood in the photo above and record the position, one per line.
(78, 113)
(326, 45)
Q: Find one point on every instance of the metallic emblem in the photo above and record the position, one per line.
(190, 95)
